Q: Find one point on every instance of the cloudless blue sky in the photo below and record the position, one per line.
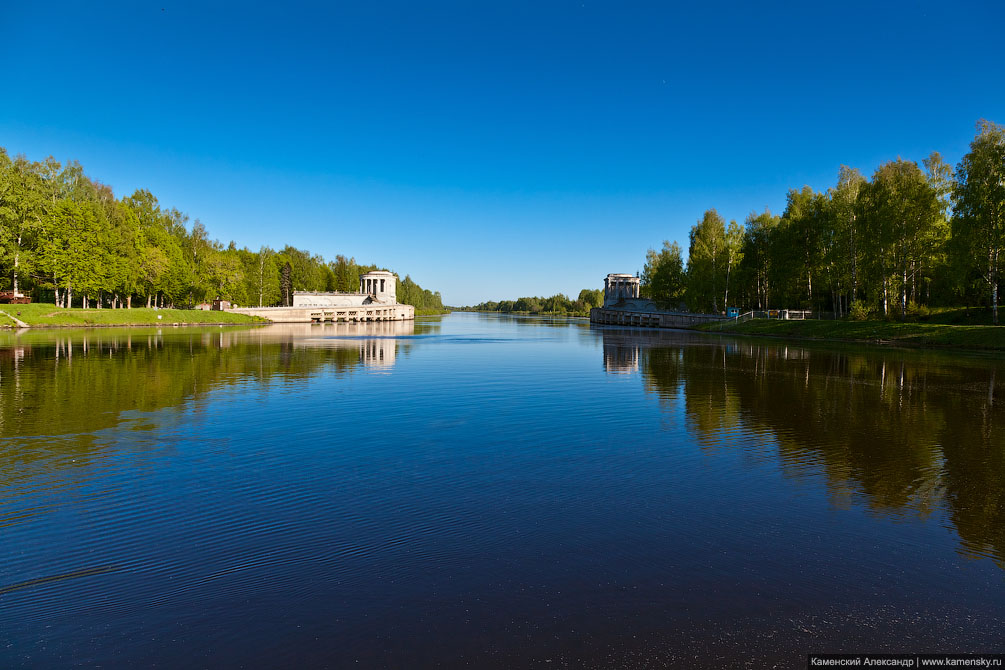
(490, 150)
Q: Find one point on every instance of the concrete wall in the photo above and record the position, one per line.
(357, 314)
(305, 299)
(620, 317)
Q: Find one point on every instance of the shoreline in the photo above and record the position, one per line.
(40, 315)
(936, 337)
(173, 324)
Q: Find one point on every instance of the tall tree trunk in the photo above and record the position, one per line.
(148, 300)
(914, 282)
(17, 259)
(886, 295)
(903, 291)
(725, 297)
(129, 301)
(992, 276)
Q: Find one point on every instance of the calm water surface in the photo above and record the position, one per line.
(492, 492)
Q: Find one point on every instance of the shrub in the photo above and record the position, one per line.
(858, 311)
(918, 312)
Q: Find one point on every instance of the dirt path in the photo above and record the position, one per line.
(16, 320)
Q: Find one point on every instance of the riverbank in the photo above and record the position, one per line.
(933, 335)
(38, 315)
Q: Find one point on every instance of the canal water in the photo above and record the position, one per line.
(485, 491)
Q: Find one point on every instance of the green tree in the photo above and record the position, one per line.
(978, 199)
(22, 207)
(733, 247)
(845, 253)
(706, 262)
(663, 278)
(899, 208)
(591, 298)
(755, 264)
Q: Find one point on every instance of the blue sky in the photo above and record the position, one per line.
(490, 150)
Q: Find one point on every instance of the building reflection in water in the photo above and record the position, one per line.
(621, 353)
(904, 432)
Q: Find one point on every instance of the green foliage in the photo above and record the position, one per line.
(41, 314)
(858, 311)
(899, 209)
(911, 334)
(558, 304)
(705, 264)
(424, 300)
(663, 277)
(67, 240)
(978, 196)
(590, 298)
(905, 237)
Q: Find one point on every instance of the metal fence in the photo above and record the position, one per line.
(781, 314)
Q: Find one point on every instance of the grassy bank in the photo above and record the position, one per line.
(44, 315)
(885, 332)
(431, 312)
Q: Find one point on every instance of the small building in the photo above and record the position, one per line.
(377, 300)
(221, 305)
(375, 288)
(619, 287)
(624, 306)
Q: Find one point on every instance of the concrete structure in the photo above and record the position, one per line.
(619, 287)
(624, 307)
(376, 301)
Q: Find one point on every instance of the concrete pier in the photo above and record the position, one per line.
(360, 314)
(376, 301)
(623, 306)
(652, 319)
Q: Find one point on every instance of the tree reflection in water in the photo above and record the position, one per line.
(906, 432)
(60, 388)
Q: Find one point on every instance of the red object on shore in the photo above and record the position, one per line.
(8, 298)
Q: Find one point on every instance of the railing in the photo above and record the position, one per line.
(783, 314)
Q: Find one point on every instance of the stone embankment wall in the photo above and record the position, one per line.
(374, 312)
(621, 317)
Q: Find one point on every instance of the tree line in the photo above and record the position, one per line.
(559, 304)
(909, 238)
(67, 239)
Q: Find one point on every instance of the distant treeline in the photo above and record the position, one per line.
(909, 238)
(556, 304)
(67, 239)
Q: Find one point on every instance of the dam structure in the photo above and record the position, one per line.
(376, 301)
(624, 306)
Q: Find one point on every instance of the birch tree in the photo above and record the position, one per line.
(978, 198)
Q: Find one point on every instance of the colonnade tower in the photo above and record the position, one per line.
(380, 285)
(618, 287)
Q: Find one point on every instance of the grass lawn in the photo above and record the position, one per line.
(888, 332)
(41, 314)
